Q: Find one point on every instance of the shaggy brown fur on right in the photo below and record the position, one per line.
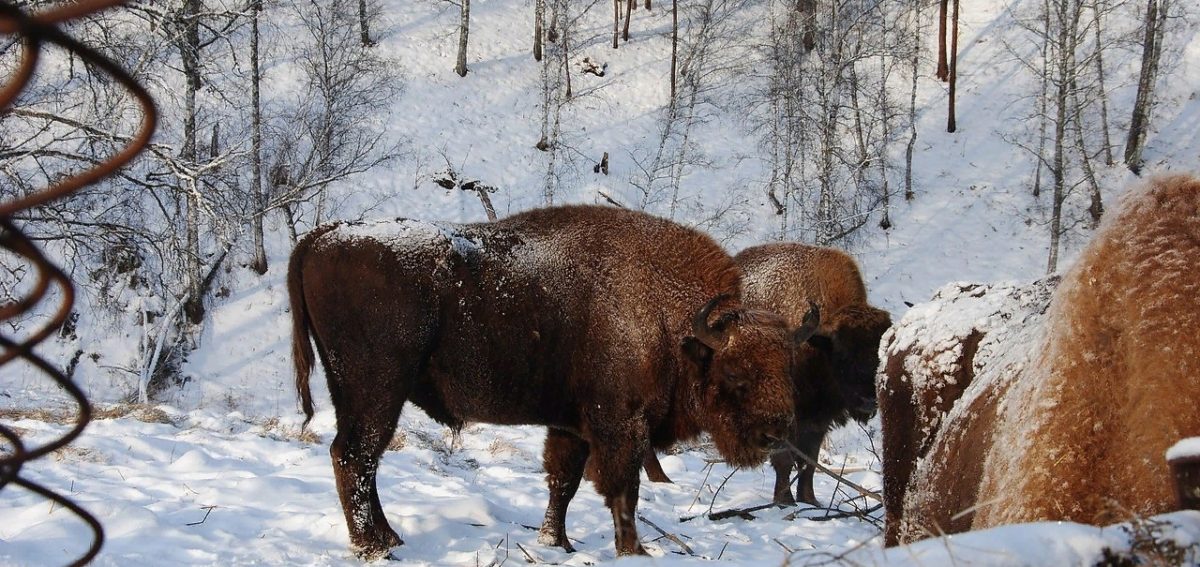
(1079, 433)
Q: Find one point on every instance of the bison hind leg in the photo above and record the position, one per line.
(653, 468)
(366, 421)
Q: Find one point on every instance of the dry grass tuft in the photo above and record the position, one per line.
(399, 440)
(1150, 546)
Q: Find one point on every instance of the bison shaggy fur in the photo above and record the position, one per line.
(834, 373)
(615, 329)
(1077, 432)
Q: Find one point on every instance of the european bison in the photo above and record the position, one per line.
(1069, 417)
(968, 343)
(834, 374)
(615, 329)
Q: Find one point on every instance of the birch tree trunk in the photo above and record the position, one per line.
(364, 24)
(539, 18)
(943, 71)
(464, 29)
(952, 120)
(190, 58)
(909, 149)
(259, 263)
(1151, 50)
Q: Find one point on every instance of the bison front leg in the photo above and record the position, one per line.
(782, 460)
(356, 451)
(564, 457)
(809, 443)
(617, 463)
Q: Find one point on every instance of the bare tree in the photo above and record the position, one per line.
(259, 262)
(832, 117)
(364, 24)
(952, 119)
(323, 135)
(539, 18)
(464, 30)
(943, 69)
(1154, 27)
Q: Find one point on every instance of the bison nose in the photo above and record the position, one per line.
(771, 434)
(867, 406)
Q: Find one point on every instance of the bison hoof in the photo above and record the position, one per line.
(659, 477)
(551, 538)
(384, 547)
(637, 550)
(784, 499)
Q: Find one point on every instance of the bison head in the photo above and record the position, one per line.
(852, 349)
(745, 359)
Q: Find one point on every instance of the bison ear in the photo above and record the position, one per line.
(808, 326)
(696, 351)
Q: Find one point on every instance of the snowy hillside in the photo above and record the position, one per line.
(216, 471)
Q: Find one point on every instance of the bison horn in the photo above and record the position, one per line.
(809, 325)
(705, 334)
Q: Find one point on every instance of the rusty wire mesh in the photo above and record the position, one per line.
(36, 30)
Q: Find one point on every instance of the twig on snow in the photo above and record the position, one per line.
(671, 537)
(207, 510)
(528, 558)
(868, 493)
(743, 513)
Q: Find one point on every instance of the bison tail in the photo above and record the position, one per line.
(302, 351)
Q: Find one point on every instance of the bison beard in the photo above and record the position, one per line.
(592, 321)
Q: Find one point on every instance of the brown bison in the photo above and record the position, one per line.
(967, 344)
(834, 374)
(1068, 416)
(617, 330)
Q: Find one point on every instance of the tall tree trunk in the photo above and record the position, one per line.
(1096, 207)
(674, 41)
(909, 149)
(628, 16)
(951, 120)
(190, 58)
(943, 71)
(1063, 72)
(616, 22)
(364, 24)
(1151, 49)
(1043, 101)
(808, 24)
(259, 263)
(539, 18)
(464, 29)
(1103, 92)
(563, 20)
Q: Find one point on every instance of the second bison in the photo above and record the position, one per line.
(834, 374)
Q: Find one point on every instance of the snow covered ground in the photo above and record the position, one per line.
(220, 475)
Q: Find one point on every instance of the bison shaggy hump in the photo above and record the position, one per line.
(615, 329)
(1079, 431)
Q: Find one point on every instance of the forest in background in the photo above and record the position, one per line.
(275, 113)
